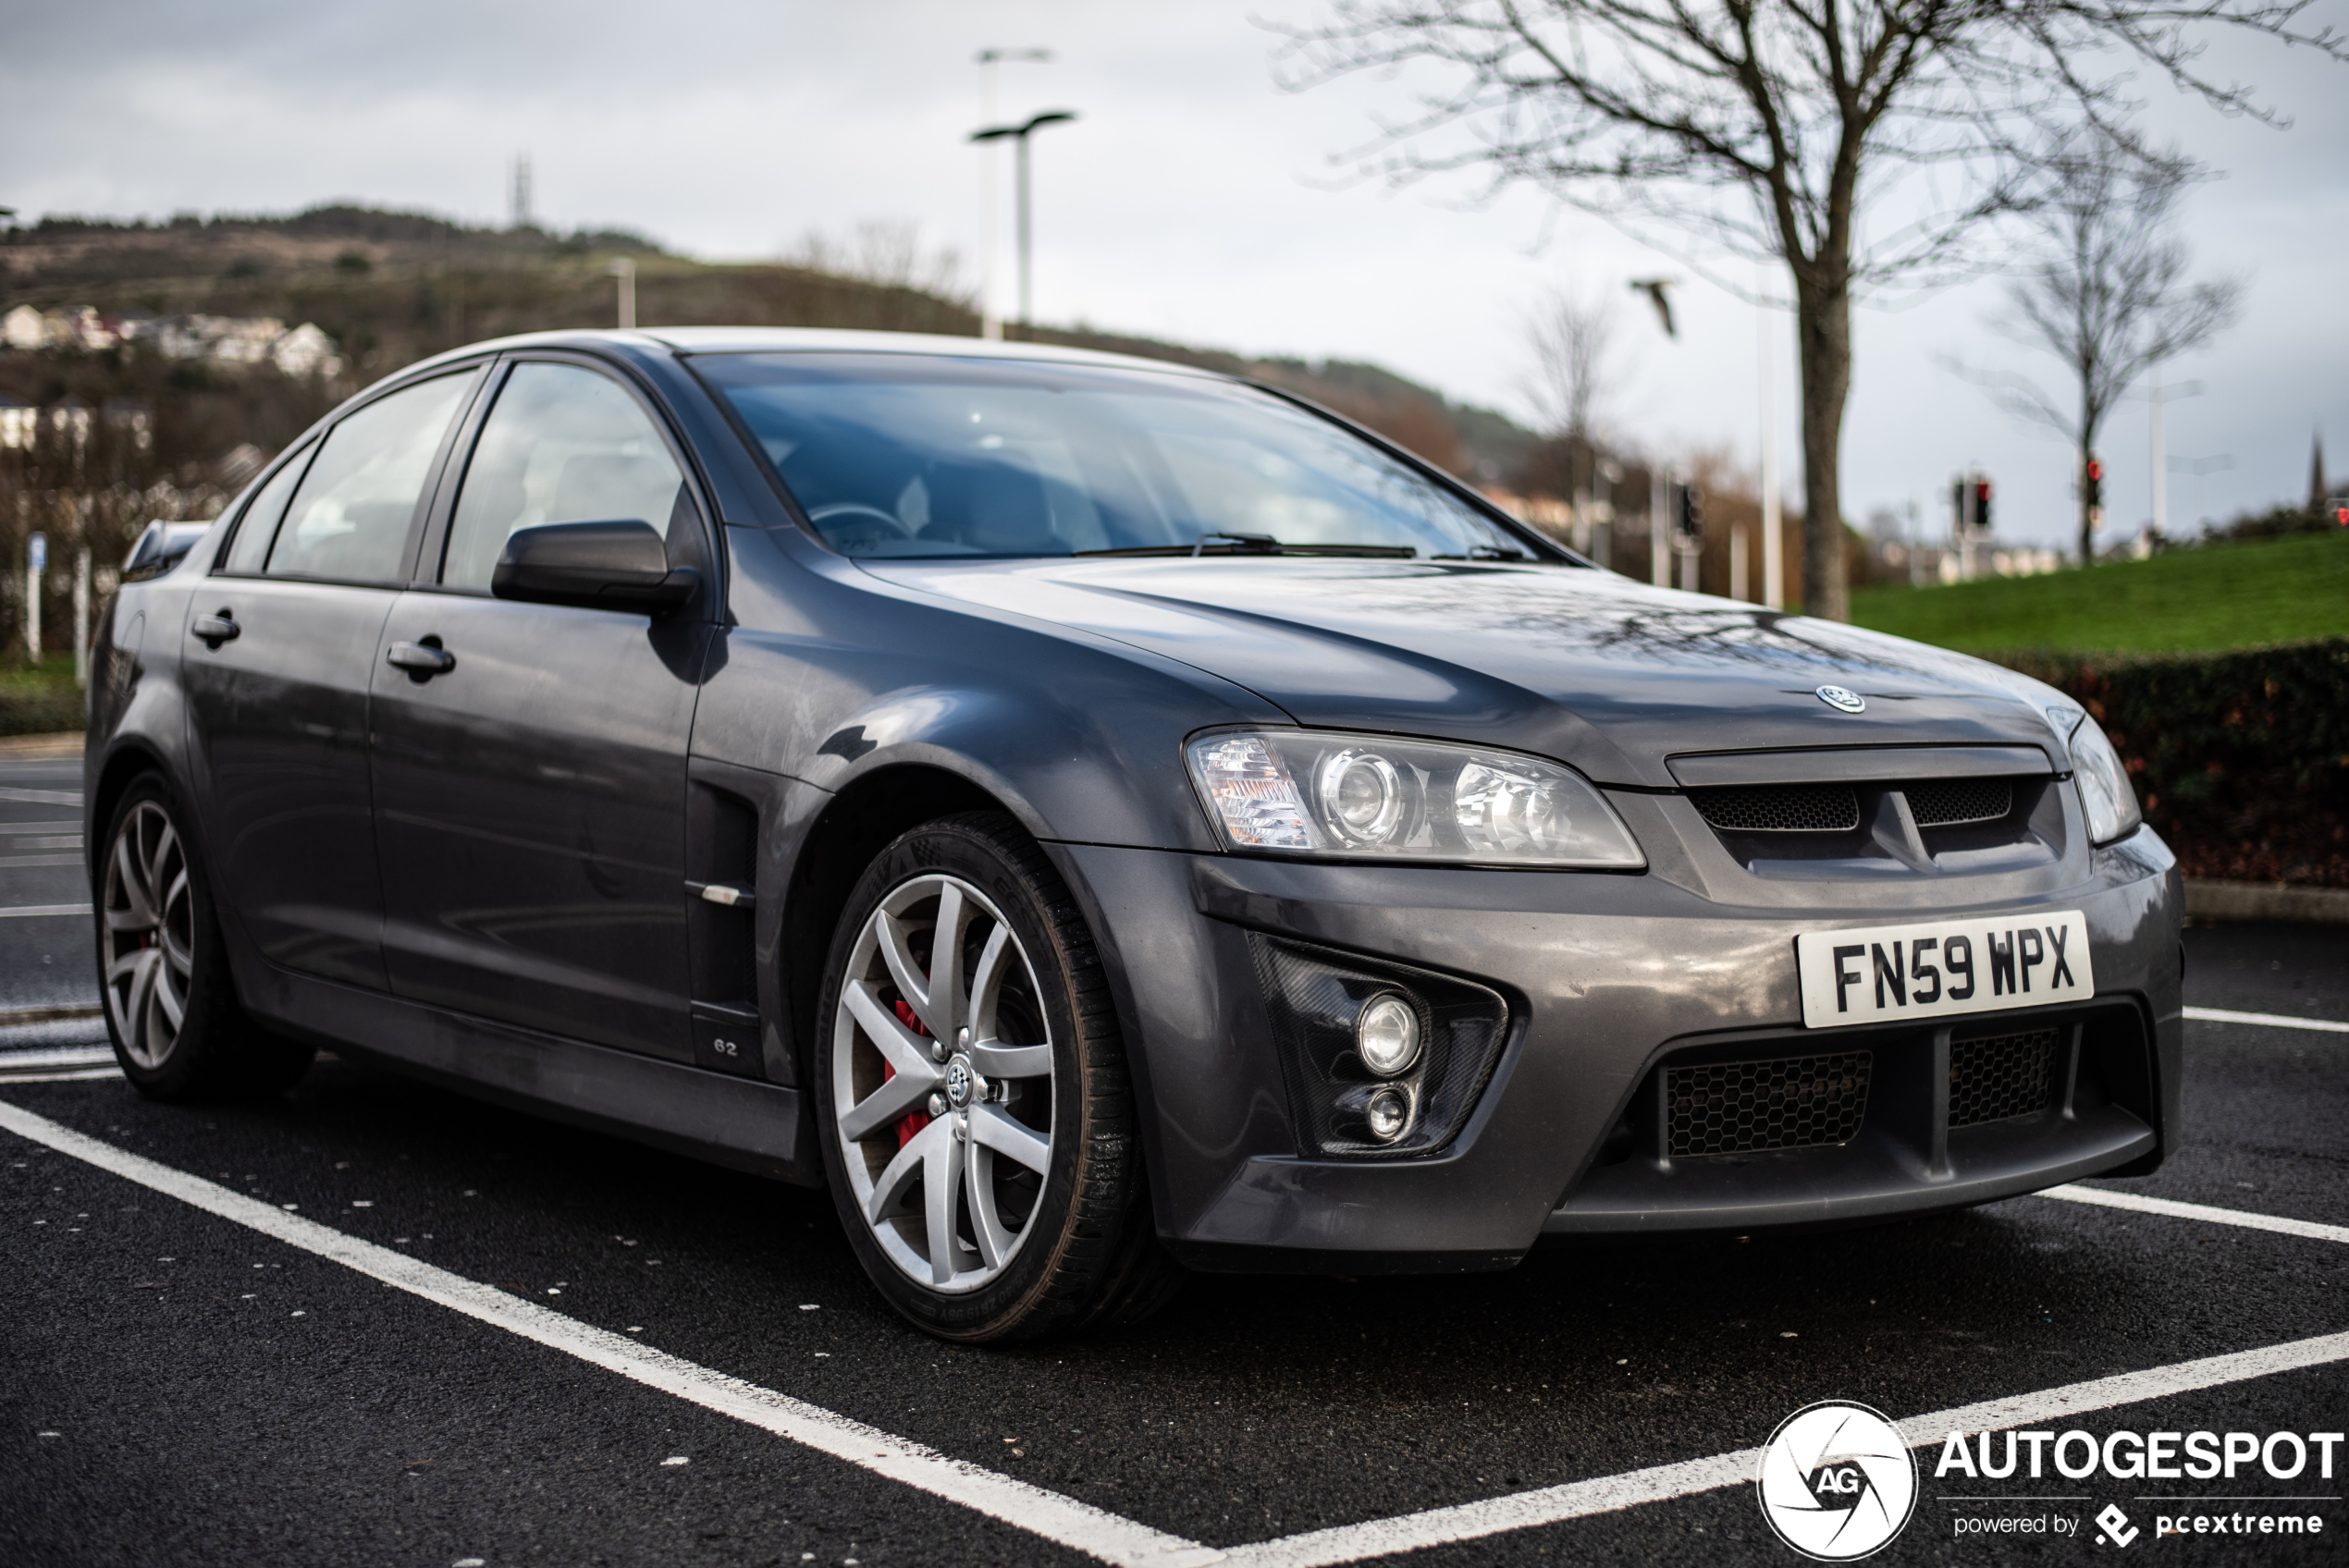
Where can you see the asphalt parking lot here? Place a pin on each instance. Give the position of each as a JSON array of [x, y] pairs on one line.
[[378, 1323]]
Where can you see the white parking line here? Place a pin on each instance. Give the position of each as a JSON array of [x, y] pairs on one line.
[[2174, 1210], [26, 909], [2273, 1020], [42, 797], [1049, 1514], [1411, 1532], [1109, 1536]]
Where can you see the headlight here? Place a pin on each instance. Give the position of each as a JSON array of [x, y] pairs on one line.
[[1362, 797], [2105, 791]]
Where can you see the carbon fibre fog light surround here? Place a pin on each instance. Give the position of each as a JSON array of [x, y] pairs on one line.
[[1319, 1001]]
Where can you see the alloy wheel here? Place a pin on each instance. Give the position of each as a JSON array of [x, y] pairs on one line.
[[149, 936], [942, 1083]]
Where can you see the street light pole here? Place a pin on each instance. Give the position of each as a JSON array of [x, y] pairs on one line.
[[991, 325], [1020, 133]]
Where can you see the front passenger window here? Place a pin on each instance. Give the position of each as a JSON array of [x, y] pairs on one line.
[[348, 521], [563, 444]]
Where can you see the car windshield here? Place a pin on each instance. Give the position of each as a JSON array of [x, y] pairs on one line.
[[907, 455]]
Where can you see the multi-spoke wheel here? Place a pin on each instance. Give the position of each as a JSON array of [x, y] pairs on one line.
[[171, 1008], [148, 933], [977, 1121], [942, 1083]]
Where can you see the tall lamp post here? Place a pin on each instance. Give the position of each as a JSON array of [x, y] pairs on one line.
[[1020, 134], [991, 325]]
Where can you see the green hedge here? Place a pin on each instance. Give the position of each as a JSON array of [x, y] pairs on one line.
[[2241, 759], [40, 700]]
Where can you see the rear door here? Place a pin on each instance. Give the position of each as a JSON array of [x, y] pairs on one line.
[[531, 799], [278, 653]]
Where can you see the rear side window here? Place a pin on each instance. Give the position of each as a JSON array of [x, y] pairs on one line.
[[251, 546], [349, 521], [562, 445]]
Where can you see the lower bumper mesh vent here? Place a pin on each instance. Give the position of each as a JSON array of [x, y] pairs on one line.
[[1997, 1077], [1781, 808], [1753, 1107]]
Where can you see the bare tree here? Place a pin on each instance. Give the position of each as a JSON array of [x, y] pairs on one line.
[[1571, 340], [2108, 293], [888, 251], [1856, 142]]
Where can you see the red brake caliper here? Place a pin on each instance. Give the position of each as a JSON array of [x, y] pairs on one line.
[[912, 1121]]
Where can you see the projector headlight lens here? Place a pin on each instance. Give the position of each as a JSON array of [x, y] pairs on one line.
[[1386, 1037], [1300, 791]]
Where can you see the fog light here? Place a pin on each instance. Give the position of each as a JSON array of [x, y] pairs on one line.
[[1387, 1034], [1390, 1113]]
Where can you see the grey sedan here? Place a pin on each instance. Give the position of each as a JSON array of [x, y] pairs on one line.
[[1099, 820]]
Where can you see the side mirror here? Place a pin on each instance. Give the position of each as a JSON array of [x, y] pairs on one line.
[[621, 565]]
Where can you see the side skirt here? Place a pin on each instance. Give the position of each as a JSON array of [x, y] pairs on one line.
[[737, 1122]]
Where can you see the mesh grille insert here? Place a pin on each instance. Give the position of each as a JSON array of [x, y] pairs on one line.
[[1950, 802], [1750, 1107], [1781, 808], [2001, 1075]]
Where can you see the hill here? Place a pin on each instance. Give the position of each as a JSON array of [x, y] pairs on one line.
[[391, 288], [2221, 595]]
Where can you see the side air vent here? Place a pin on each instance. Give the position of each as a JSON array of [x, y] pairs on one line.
[[1953, 802], [1752, 1107], [1993, 1077], [1781, 808]]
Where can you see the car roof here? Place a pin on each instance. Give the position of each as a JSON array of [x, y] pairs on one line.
[[803, 339]]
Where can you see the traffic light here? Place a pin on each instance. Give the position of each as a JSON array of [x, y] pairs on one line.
[[1689, 502], [1980, 503], [2096, 484]]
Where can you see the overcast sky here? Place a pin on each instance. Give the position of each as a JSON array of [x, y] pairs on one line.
[[1194, 200]]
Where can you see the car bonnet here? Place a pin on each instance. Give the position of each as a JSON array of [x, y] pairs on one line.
[[1609, 675]]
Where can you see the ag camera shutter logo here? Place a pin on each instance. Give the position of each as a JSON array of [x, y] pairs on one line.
[[1837, 1481]]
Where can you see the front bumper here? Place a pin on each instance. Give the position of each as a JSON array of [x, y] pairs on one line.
[[1606, 976]]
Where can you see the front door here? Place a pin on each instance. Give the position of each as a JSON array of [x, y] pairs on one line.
[[279, 651], [530, 800]]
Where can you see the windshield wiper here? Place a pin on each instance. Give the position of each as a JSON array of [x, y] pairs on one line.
[[1218, 542]]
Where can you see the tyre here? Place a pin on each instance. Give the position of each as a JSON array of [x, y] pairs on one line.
[[171, 1007], [979, 1125]]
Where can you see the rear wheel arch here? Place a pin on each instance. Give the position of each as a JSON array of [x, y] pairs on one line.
[[129, 762]]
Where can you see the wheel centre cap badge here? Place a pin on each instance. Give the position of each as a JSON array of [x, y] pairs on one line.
[[1842, 699], [959, 1079]]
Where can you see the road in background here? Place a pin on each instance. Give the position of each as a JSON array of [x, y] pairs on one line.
[[47, 962], [182, 1388]]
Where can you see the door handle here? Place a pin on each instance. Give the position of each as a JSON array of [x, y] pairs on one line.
[[213, 629], [422, 660]]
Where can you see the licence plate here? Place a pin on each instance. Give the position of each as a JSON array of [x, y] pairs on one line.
[[1881, 974]]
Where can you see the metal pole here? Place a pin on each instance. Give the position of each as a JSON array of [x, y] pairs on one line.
[[1659, 528], [990, 323], [36, 557], [1024, 236], [1773, 528], [2160, 463], [82, 618], [624, 269], [1737, 563]]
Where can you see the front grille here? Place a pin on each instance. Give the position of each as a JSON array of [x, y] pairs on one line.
[[1750, 1107], [1781, 808], [1997, 1077], [1952, 802]]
